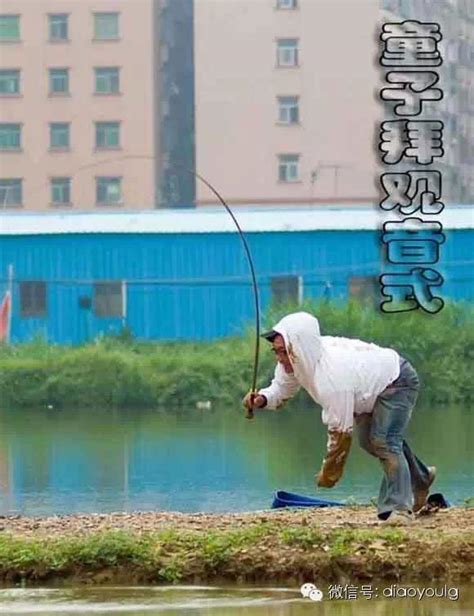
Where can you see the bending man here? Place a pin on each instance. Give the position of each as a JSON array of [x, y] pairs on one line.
[[352, 381]]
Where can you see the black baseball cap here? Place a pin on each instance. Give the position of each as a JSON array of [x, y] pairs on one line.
[[270, 335]]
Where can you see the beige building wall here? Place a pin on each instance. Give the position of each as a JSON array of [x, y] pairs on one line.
[[456, 80], [237, 81], [35, 108]]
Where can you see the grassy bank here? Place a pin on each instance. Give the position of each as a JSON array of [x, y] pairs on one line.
[[121, 372], [291, 546]]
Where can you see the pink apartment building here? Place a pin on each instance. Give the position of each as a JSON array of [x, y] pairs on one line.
[[286, 100], [82, 109], [104, 104]]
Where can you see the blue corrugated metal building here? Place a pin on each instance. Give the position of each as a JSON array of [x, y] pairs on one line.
[[183, 275]]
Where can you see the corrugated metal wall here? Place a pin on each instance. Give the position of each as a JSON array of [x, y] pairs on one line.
[[203, 285]]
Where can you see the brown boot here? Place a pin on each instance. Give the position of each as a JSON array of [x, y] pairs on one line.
[[422, 494]]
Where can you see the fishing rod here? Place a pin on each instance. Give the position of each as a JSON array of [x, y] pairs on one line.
[[249, 412]]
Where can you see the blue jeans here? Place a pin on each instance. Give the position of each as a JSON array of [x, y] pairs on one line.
[[381, 433]]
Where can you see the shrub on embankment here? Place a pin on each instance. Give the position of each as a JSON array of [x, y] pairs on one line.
[[120, 372]]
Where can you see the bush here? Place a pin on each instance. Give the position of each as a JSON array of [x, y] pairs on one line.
[[121, 372]]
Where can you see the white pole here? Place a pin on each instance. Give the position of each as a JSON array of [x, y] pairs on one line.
[[124, 303], [10, 292]]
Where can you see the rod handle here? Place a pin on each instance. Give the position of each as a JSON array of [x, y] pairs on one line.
[[249, 412]]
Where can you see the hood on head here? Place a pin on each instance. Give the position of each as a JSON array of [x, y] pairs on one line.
[[300, 331]]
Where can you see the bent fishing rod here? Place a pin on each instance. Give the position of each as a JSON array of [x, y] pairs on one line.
[[249, 412]]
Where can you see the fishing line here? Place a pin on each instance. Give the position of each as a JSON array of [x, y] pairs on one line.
[[248, 254]]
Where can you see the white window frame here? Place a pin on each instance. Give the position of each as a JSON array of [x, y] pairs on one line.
[[108, 300], [11, 192], [103, 131], [289, 168], [64, 128], [100, 36], [11, 77], [110, 79], [13, 142], [288, 110], [56, 22], [53, 75], [33, 299], [60, 186], [113, 181], [14, 19], [287, 5], [287, 52], [281, 295]]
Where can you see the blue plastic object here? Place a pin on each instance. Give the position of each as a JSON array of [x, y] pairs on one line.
[[287, 499]]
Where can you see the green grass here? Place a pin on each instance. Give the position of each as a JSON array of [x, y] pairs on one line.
[[170, 555], [255, 551], [346, 542], [119, 372], [301, 537]]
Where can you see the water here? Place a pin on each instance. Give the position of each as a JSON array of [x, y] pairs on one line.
[[54, 462], [217, 601]]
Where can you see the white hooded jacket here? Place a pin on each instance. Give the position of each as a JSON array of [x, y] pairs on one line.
[[343, 375]]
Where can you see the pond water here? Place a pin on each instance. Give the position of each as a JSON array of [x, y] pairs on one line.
[[230, 601], [55, 462]]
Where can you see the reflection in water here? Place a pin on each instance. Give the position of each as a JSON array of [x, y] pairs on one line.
[[201, 601], [189, 460]]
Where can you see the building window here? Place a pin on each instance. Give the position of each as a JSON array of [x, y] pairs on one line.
[[365, 289], [287, 4], [288, 167], [287, 290], [108, 301], [59, 81], [59, 135], [9, 81], [58, 27], [107, 80], [106, 26], [107, 135], [33, 299], [61, 191], [11, 191], [108, 190], [288, 110], [287, 52], [10, 136], [9, 27]]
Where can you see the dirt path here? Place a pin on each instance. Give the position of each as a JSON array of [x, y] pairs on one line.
[[447, 521]]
